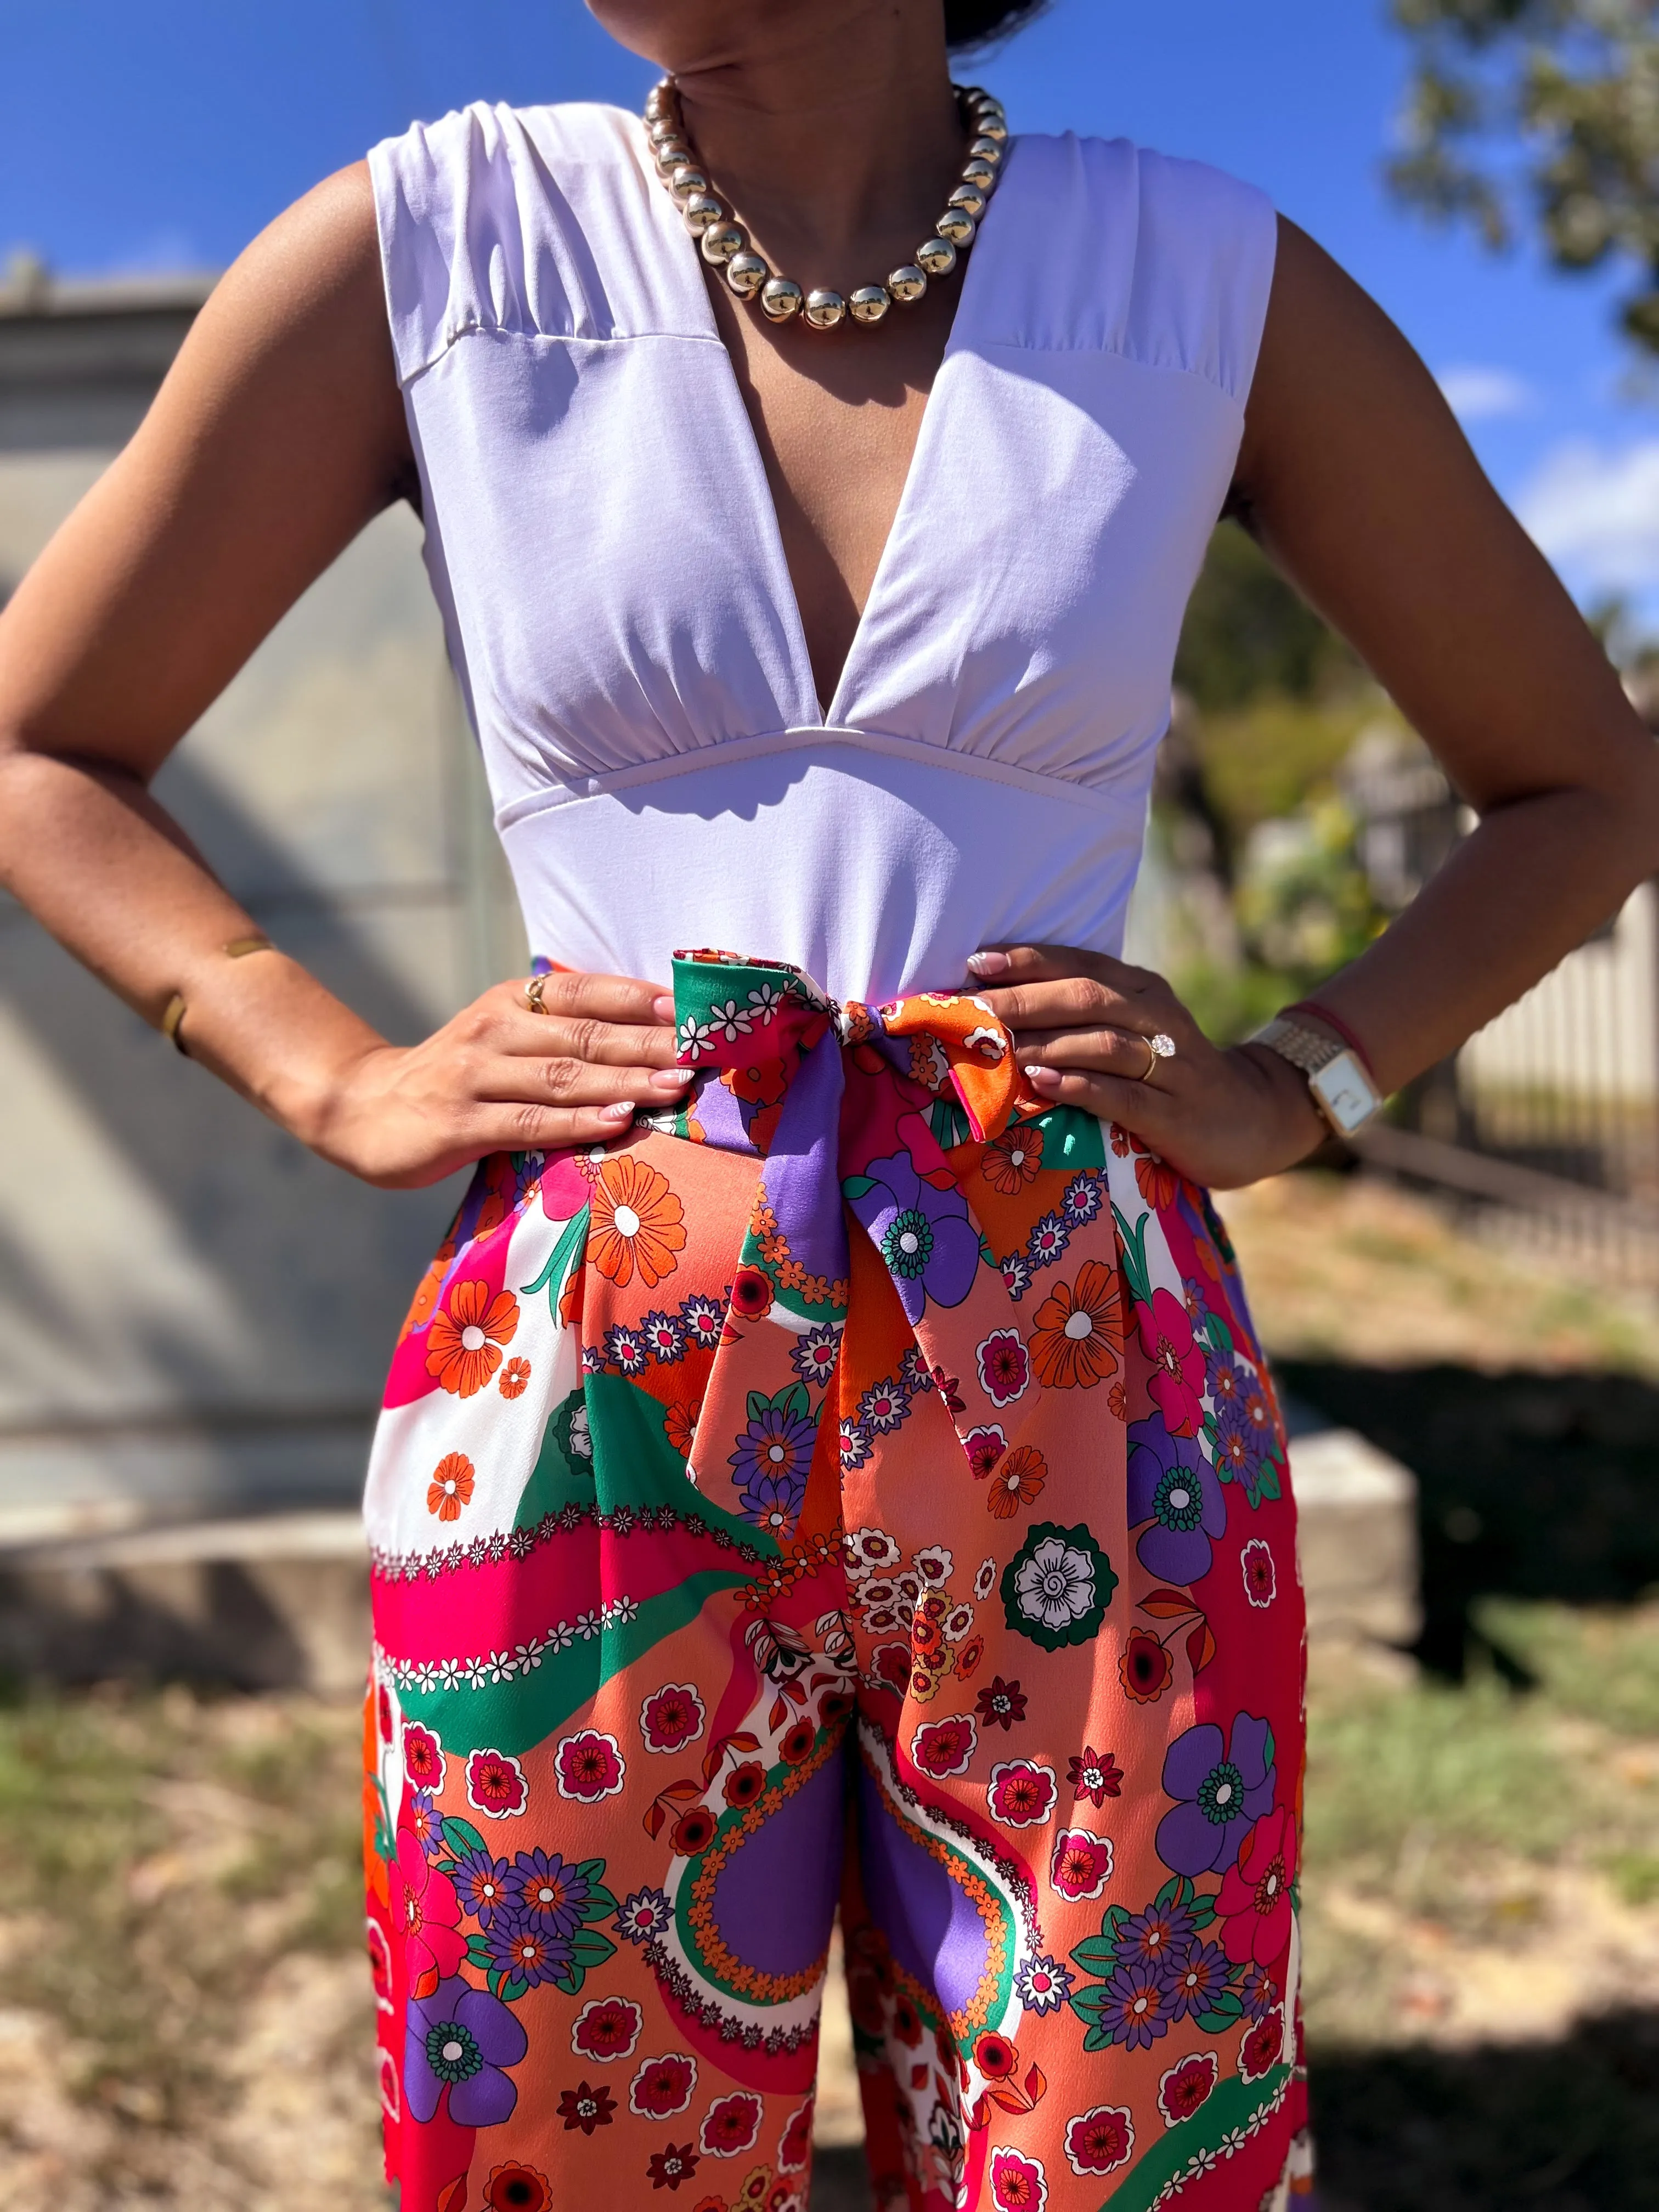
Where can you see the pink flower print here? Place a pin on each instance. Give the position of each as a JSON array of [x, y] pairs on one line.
[[1176, 1382], [671, 1718], [1021, 1793], [423, 1758], [588, 1767], [662, 2086], [606, 2028], [984, 1448], [1254, 1901], [945, 1747], [1261, 1580], [380, 1964], [1262, 2047], [1186, 2087], [1005, 1367], [495, 1784], [795, 2143], [731, 2125], [1081, 1866], [427, 1914], [1018, 2182], [1099, 2141]]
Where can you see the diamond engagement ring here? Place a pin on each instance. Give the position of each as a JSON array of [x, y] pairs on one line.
[[1161, 1046]]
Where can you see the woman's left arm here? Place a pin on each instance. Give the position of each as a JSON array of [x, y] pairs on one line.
[[1356, 480]]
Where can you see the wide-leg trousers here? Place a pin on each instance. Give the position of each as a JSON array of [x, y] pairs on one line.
[[859, 1490]]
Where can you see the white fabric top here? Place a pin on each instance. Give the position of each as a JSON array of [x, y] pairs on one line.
[[603, 545]]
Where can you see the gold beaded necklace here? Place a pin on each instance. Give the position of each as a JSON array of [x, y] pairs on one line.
[[726, 243]]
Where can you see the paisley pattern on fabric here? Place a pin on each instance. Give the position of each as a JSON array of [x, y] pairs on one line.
[[858, 1489]]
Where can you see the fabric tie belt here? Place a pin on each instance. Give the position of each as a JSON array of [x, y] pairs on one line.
[[859, 1111]]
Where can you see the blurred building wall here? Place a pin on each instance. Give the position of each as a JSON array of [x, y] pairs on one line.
[[194, 1310]]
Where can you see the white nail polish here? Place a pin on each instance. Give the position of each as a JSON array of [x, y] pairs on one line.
[[988, 963]]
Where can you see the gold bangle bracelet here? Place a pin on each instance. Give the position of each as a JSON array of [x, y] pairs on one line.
[[173, 1019]]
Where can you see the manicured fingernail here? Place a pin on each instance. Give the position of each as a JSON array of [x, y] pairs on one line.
[[663, 1008], [672, 1079], [1043, 1078], [622, 1111], [989, 963]]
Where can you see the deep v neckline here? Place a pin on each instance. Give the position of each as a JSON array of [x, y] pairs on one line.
[[746, 445]]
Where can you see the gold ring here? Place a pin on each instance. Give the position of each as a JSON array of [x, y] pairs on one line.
[[532, 994], [1161, 1046]]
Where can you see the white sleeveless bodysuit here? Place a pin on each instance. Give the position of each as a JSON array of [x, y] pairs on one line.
[[604, 546]]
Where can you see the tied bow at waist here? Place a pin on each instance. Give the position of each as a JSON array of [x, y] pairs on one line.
[[860, 1116]]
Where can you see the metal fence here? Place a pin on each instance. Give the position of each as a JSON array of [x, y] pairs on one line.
[[1551, 1113]]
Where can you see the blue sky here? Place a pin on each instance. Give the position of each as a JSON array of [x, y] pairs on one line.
[[164, 135]]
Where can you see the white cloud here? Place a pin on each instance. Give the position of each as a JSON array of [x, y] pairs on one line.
[[1595, 513], [1477, 394]]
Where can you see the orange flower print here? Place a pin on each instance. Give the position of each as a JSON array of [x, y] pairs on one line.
[[679, 1422], [1016, 1479], [1012, 1159], [464, 1343], [1079, 1335], [637, 1224], [451, 1486], [1158, 1184], [514, 1375]]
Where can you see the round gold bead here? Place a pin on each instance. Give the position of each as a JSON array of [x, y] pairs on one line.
[[687, 180], [700, 210], [956, 225], [672, 154], [720, 241], [936, 256], [662, 94], [869, 303], [980, 174], [745, 273], [970, 199], [824, 308], [781, 297], [985, 149], [907, 285], [993, 127], [664, 124]]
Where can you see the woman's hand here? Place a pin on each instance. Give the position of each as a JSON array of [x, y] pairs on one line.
[[1081, 1023], [502, 1077]]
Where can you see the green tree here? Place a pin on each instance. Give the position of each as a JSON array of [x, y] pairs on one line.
[[1541, 113]]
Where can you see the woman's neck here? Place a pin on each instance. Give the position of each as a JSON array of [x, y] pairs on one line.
[[834, 139]]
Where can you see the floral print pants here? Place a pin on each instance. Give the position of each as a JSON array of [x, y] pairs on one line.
[[858, 1489]]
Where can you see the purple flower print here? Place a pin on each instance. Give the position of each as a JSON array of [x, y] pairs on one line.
[[480, 1883], [547, 1892], [772, 1501], [775, 1447], [1152, 1937], [924, 1234], [527, 1950], [1222, 1791], [1173, 1485], [460, 2039]]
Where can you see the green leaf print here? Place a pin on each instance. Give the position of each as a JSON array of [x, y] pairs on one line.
[[560, 1261]]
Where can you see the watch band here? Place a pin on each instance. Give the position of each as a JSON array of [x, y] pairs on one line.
[[1338, 1079]]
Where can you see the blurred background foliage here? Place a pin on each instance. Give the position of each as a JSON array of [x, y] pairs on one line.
[[1541, 115], [1258, 891]]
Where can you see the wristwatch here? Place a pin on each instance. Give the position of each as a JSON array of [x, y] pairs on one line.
[[1342, 1090]]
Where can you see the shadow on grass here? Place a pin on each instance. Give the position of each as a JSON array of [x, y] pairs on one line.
[[840, 2183], [1560, 2127], [1530, 1486]]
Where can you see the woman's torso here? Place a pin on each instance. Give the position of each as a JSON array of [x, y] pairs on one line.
[[605, 548]]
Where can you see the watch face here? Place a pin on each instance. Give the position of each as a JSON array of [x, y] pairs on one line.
[[1345, 1091]]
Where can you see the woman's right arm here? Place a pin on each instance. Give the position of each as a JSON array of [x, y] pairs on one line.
[[279, 434]]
